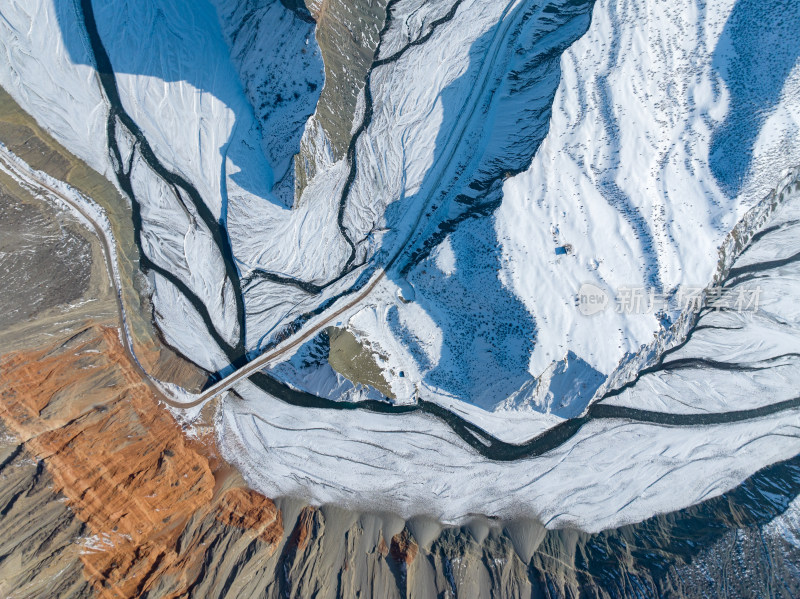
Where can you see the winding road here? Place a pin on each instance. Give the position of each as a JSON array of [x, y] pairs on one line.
[[27, 176], [481, 441], [30, 178]]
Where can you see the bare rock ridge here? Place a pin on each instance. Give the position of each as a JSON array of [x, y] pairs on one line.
[[122, 463], [40, 536], [348, 35], [331, 44], [247, 509]]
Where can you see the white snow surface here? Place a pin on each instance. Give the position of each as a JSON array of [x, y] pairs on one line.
[[625, 175], [46, 69], [611, 473], [749, 344]]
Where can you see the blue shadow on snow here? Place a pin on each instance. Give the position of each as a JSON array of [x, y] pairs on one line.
[[757, 51]]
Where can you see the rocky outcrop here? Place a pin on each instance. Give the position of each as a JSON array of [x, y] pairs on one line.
[[403, 548], [347, 33], [40, 537], [244, 508], [121, 462]]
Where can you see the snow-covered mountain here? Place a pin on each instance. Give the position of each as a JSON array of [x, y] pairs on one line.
[[483, 161]]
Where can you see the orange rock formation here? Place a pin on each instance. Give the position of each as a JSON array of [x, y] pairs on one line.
[[121, 461]]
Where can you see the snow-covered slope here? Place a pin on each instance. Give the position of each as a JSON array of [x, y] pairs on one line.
[[51, 73], [625, 175], [743, 352], [281, 69], [627, 179], [717, 408]]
